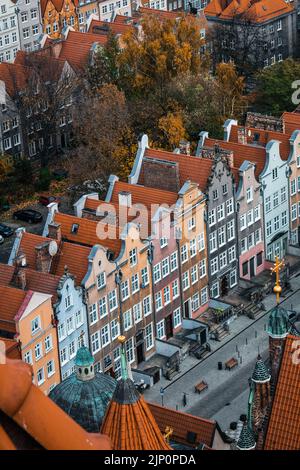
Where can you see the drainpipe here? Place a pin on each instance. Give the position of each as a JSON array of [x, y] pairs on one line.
[[150, 261]]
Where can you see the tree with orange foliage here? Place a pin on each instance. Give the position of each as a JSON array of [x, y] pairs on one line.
[[172, 130]]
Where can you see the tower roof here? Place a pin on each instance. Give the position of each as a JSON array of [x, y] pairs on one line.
[[260, 373], [278, 326], [129, 422], [83, 357], [246, 440]]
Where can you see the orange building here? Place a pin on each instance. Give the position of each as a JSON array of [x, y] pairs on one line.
[[57, 15]]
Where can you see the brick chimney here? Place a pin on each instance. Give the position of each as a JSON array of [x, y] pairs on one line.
[[21, 278], [161, 174], [43, 258], [242, 135], [54, 231], [125, 199]]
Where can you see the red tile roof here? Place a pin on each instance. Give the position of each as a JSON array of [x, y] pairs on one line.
[[11, 300], [190, 168], [87, 232], [264, 137], [258, 10], [104, 27], [69, 254], [38, 416], [182, 424], [14, 76], [283, 432], [12, 350], [144, 195], [291, 122]]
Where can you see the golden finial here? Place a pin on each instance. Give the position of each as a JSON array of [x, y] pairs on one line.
[[168, 433], [121, 339], [278, 265]]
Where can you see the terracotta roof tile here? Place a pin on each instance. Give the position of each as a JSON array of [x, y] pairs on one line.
[[14, 76], [38, 415], [144, 195], [190, 168], [69, 254], [283, 431], [259, 10], [11, 300], [12, 350], [86, 234], [291, 122], [77, 47], [182, 424], [104, 27]]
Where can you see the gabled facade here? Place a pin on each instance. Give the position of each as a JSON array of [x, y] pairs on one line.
[[57, 15], [109, 8], [294, 188], [250, 226]]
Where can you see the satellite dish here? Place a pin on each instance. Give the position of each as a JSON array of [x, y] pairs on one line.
[[52, 248]]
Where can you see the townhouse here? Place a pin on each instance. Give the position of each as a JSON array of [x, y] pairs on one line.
[[9, 32], [28, 316], [109, 8], [272, 174], [57, 15], [29, 24]]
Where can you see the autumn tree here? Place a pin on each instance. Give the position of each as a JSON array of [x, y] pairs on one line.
[[104, 141], [172, 130], [230, 88]]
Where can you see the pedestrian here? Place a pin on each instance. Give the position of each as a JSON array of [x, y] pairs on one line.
[[184, 400]]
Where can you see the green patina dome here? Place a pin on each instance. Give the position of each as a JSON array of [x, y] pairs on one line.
[[278, 322], [260, 373], [246, 440], [83, 357]]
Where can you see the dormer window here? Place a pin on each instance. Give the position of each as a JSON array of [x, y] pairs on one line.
[[101, 280], [74, 228]]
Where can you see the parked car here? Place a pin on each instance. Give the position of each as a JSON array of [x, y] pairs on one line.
[[28, 215], [5, 230], [1, 240], [45, 200]]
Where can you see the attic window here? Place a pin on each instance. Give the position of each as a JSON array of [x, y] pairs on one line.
[[74, 228], [256, 137]]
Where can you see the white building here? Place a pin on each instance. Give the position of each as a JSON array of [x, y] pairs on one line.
[[109, 8], [30, 24], [9, 33]]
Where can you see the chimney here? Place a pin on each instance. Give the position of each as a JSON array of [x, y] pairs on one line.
[[54, 231], [184, 147], [125, 199], [21, 278], [230, 159], [43, 258], [20, 260], [242, 135]]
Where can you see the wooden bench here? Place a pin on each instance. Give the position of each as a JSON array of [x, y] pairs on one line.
[[201, 386], [231, 363]]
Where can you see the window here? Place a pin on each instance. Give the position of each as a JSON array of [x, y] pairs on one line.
[[204, 296], [145, 276], [193, 248], [229, 206], [233, 278], [195, 302], [268, 204], [115, 329], [201, 242], [79, 318], [161, 329], [215, 290], [105, 335], [249, 195], [129, 346], [269, 228], [257, 213], [257, 236], [230, 230], [175, 289], [214, 265], [28, 357], [213, 241], [93, 314], [284, 218], [40, 376], [212, 217], [137, 312], [149, 336], [224, 189], [35, 29], [135, 283], [95, 342], [133, 257], [48, 343], [127, 320], [191, 223], [243, 245], [243, 222], [277, 223], [259, 259], [158, 301], [167, 295], [245, 268], [163, 242], [293, 187], [26, 33], [177, 317], [294, 212], [221, 212], [24, 16], [184, 253], [185, 280], [223, 260], [16, 139], [125, 291], [38, 351], [250, 219], [174, 261], [147, 306], [215, 194], [112, 300], [72, 350], [156, 273], [33, 14], [101, 280], [222, 236], [276, 199], [7, 143], [35, 325], [194, 274], [61, 331], [202, 268], [165, 267], [275, 173], [70, 325], [231, 254], [250, 240], [103, 307]]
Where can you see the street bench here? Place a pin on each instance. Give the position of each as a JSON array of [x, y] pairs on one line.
[[231, 363], [201, 386]]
